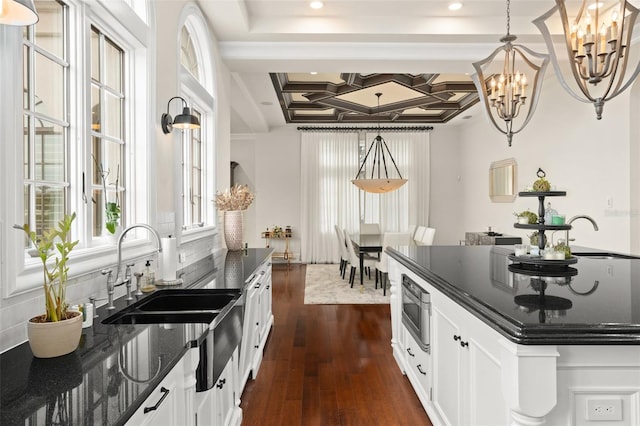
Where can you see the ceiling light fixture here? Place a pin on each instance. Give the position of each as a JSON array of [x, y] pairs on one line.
[[378, 184], [186, 120], [597, 49], [316, 5], [18, 12], [508, 95], [455, 6]]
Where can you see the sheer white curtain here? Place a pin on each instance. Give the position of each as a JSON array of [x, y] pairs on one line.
[[396, 211], [328, 162]]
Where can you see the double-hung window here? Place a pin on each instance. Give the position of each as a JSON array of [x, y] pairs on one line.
[[46, 121], [85, 70], [107, 130]]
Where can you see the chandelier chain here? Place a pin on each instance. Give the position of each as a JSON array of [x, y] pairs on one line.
[[508, 17]]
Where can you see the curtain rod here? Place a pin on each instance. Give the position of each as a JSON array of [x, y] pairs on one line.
[[358, 129]]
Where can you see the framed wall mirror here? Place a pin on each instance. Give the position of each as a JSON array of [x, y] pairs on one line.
[[503, 180]]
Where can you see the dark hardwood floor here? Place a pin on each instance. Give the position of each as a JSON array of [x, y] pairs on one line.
[[328, 365]]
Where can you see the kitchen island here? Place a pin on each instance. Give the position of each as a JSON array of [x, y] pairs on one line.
[[507, 346], [117, 369]]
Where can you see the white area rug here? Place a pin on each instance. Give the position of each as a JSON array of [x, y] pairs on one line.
[[324, 286]]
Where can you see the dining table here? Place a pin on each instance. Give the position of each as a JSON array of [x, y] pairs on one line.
[[366, 244]]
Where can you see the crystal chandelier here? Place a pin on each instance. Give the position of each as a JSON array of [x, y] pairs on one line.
[[597, 47], [377, 183], [506, 98]]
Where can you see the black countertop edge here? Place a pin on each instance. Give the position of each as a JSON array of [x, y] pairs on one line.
[[516, 332]]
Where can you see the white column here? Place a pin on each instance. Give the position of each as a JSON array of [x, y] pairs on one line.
[[396, 317], [529, 382]]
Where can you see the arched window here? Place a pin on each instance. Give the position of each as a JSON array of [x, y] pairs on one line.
[[198, 145]]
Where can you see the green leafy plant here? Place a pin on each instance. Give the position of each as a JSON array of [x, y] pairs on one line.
[[112, 210], [532, 218], [55, 273]]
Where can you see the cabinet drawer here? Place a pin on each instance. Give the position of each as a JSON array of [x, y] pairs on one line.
[[418, 361]]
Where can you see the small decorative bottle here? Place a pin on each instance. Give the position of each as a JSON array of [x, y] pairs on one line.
[[548, 214]]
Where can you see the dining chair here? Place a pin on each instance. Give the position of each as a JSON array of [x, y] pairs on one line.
[[370, 228], [344, 253], [427, 238], [354, 260], [417, 237], [382, 266]]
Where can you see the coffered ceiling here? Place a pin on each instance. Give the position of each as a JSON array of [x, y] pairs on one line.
[[351, 97], [419, 47]]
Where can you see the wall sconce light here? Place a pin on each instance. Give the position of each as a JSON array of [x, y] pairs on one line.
[[186, 120], [18, 12]]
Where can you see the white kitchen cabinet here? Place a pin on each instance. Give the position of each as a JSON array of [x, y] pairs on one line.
[[219, 405], [258, 319], [265, 302], [418, 367], [467, 387], [167, 403], [459, 381]]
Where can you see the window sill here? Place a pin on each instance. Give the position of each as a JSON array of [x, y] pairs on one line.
[[193, 234], [82, 262]]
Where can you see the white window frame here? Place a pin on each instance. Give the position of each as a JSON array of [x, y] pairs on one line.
[[19, 273], [202, 94]]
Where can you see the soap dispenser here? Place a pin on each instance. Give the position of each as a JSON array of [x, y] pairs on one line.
[[148, 278]]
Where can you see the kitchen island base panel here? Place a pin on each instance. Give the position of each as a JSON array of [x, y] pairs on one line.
[[489, 378]]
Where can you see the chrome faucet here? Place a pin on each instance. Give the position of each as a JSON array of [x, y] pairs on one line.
[[573, 219], [112, 281]]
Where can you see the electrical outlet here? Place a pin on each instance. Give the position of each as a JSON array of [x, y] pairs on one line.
[[604, 409], [182, 256], [609, 202]]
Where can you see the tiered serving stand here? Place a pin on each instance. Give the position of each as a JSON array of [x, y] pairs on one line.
[[538, 267]]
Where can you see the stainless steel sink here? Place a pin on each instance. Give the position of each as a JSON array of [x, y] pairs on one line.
[[604, 255]]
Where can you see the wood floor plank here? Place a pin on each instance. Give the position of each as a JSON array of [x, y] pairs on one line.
[[328, 365]]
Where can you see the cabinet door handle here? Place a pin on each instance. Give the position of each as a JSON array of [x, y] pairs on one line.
[[456, 337], [464, 344], [420, 369], [221, 383], [409, 352], [165, 391]]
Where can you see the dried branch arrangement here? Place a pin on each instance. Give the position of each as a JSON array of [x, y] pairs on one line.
[[237, 198]]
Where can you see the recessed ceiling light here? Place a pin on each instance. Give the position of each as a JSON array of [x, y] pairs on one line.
[[266, 103], [316, 5], [455, 6], [466, 117], [313, 72]]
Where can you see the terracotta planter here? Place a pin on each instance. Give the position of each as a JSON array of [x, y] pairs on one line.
[[52, 339], [233, 229]]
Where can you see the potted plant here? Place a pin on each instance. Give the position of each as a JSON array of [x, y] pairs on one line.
[[526, 217], [232, 202], [56, 332]]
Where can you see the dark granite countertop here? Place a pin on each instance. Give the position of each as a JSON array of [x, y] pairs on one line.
[[598, 305], [116, 367]]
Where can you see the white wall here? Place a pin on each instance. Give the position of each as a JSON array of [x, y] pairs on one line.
[[270, 165], [586, 157], [445, 211]]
